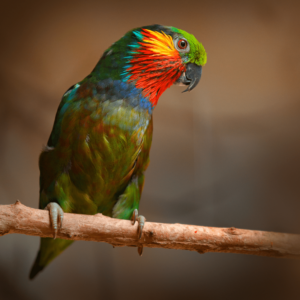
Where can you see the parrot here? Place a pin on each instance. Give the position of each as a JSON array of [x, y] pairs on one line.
[[98, 151]]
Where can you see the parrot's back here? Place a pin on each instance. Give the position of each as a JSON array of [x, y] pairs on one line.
[[100, 140]]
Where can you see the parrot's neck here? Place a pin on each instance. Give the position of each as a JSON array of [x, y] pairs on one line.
[[148, 75], [153, 76]]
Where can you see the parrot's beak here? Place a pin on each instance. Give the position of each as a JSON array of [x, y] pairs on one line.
[[191, 76]]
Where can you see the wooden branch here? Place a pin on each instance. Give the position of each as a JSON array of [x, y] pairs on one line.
[[17, 218]]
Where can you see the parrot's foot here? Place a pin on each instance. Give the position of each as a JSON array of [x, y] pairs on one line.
[[141, 220], [140, 250], [56, 216]]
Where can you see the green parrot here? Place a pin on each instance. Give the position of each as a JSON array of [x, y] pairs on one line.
[[98, 150]]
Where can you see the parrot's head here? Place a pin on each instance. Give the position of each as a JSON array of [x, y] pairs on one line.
[[155, 57]]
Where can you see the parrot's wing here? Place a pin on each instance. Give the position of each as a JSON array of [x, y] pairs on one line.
[[94, 161], [129, 200], [96, 146], [67, 101]]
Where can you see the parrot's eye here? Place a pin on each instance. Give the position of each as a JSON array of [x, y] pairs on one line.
[[182, 45]]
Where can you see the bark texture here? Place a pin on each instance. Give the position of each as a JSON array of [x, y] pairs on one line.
[[17, 218]]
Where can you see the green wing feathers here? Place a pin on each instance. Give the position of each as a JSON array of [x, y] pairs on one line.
[[94, 165]]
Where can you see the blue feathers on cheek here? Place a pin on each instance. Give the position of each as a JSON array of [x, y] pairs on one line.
[[113, 90], [138, 34]]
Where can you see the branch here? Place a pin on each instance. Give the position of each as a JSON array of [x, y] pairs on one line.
[[17, 218]]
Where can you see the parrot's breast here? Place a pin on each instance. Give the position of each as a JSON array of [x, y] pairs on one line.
[[97, 138]]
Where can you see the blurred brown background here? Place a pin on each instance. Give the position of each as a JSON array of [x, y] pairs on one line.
[[226, 154]]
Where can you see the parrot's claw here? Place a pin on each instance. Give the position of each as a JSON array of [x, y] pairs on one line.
[[141, 220], [56, 216], [140, 250]]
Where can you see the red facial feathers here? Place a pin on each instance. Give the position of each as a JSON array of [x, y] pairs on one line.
[[156, 65]]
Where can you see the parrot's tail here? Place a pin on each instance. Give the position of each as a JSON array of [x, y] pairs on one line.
[[36, 268], [49, 249]]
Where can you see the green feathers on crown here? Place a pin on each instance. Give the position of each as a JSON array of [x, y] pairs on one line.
[[197, 53]]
